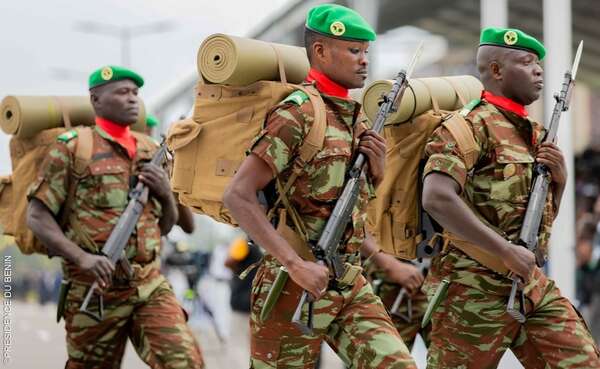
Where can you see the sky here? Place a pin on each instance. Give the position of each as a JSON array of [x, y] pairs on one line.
[[42, 52]]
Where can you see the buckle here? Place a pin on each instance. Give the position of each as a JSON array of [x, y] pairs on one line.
[[351, 273]]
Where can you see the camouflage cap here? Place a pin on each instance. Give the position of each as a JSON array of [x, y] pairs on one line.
[[339, 22], [512, 38], [111, 73]]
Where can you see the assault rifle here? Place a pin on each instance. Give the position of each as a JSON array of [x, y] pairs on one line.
[[114, 248], [326, 249], [539, 190]]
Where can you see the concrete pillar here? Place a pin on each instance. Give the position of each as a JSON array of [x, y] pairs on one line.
[[557, 39], [494, 13]]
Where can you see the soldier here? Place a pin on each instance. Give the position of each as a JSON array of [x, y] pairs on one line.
[[143, 307], [346, 313], [482, 211], [389, 276]]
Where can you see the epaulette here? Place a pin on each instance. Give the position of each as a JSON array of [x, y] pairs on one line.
[[297, 97], [67, 136], [470, 106]]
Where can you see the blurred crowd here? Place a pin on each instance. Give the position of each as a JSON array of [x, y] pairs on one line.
[[587, 187]]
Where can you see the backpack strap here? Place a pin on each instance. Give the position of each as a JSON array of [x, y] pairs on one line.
[[311, 145], [82, 157], [461, 130]]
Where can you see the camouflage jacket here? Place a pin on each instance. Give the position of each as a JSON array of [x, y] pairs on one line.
[[100, 197], [497, 188], [317, 189]]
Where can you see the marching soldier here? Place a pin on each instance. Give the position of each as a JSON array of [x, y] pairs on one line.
[[142, 308], [482, 211], [347, 314]]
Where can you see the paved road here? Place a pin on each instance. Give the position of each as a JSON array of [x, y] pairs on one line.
[[38, 342]]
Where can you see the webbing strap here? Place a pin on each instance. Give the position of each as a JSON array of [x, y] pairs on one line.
[[311, 145], [280, 65], [462, 133]]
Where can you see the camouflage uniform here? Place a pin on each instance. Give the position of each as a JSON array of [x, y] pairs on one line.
[[471, 328], [143, 308], [388, 292], [350, 318]]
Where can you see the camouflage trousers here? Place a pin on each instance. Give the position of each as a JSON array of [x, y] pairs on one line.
[[149, 315], [471, 329], [408, 330], [352, 320]]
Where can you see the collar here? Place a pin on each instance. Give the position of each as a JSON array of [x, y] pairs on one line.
[[118, 133], [505, 103], [326, 85]]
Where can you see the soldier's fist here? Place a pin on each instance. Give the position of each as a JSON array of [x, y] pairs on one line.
[[98, 266]]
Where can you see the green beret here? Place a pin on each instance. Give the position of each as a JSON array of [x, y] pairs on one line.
[[339, 22], [111, 73], [512, 38], [151, 121]]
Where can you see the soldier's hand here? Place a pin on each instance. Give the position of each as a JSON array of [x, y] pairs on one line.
[[98, 266], [312, 277], [373, 146], [520, 261], [407, 276], [551, 156], [156, 179]]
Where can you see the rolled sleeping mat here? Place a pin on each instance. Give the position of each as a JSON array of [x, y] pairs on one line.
[[238, 61], [25, 116], [417, 99]]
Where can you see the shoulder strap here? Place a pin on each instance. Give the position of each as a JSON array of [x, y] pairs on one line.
[[83, 150], [459, 128], [311, 145], [82, 156]]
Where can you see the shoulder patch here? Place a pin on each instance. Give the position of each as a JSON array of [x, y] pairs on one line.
[[297, 97], [67, 136], [470, 106]]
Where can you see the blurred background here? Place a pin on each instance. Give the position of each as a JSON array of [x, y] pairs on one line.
[[50, 47]]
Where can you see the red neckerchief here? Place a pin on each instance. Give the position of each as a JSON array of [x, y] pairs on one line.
[[505, 103], [121, 134], [326, 85]]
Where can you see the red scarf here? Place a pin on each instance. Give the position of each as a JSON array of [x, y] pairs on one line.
[[326, 85], [120, 133], [505, 103]]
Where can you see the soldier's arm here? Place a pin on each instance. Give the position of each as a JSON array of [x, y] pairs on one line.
[[445, 175], [270, 156], [46, 199], [157, 180], [396, 271], [186, 218]]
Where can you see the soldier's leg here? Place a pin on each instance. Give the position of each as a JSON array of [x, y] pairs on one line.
[[557, 331], [408, 330], [92, 344], [527, 353], [363, 334], [161, 335], [276, 342], [470, 329]]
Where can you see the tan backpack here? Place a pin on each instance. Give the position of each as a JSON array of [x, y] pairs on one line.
[[27, 155], [209, 148], [396, 216]]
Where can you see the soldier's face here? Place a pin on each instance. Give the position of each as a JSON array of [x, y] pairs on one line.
[[345, 62], [117, 101], [522, 76]]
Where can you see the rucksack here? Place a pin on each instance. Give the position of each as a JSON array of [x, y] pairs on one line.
[[396, 217], [209, 147]]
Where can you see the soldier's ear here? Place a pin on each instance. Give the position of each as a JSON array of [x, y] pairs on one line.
[[318, 50], [496, 70]]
